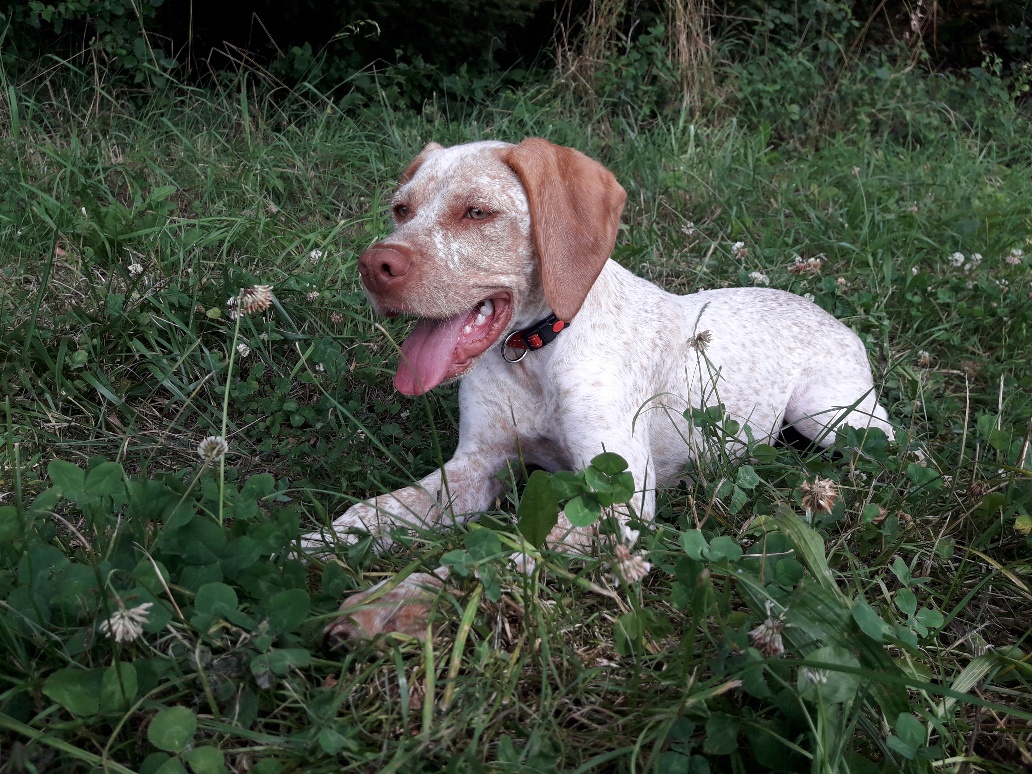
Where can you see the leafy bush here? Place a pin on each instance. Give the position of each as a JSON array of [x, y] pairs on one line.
[[960, 34], [116, 30], [322, 43]]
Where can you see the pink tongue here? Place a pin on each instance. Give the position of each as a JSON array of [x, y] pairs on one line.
[[426, 355]]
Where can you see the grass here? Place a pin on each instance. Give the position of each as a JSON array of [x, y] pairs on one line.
[[907, 603]]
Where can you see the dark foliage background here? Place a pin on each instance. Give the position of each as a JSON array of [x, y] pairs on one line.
[[323, 41], [482, 33]]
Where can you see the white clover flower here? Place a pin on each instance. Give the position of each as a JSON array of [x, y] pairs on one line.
[[256, 298], [312, 295], [913, 271], [924, 358], [700, 341], [976, 258], [628, 535], [126, 625], [819, 494], [316, 255], [243, 350], [1015, 256], [135, 269], [213, 448], [957, 260], [688, 229], [628, 566], [856, 170], [739, 249], [815, 676], [320, 367], [809, 297], [807, 266], [759, 278], [766, 637]]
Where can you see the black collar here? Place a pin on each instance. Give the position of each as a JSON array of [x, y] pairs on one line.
[[533, 337]]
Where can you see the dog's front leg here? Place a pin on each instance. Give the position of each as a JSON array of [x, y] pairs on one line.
[[465, 485], [642, 504]]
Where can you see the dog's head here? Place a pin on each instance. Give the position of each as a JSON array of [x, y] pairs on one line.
[[488, 237]]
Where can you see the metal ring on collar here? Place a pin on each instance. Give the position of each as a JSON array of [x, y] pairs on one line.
[[523, 354]]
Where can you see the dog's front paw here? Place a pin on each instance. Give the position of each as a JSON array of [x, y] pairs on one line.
[[403, 609], [356, 522], [579, 541]]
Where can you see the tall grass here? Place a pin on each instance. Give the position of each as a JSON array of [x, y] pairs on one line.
[[126, 222]]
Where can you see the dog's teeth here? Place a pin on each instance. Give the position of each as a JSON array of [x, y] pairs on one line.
[[468, 329], [487, 307], [480, 320]]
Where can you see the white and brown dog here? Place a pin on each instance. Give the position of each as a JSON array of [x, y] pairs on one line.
[[501, 253]]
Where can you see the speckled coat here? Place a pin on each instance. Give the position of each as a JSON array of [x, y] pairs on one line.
[[530, 228]]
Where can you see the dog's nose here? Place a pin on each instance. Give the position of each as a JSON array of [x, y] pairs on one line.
[[383, 265]]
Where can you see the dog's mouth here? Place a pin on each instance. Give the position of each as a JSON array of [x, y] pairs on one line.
[[438, 350]]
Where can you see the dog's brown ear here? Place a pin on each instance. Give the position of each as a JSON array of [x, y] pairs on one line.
[[417, 162], [575, 206]]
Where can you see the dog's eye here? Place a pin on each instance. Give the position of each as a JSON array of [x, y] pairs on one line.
[[401, 211], [477, 213]]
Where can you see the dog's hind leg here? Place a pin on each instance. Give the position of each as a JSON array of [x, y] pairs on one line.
[[831, 398]]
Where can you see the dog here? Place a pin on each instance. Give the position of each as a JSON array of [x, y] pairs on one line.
[[501, 253]]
